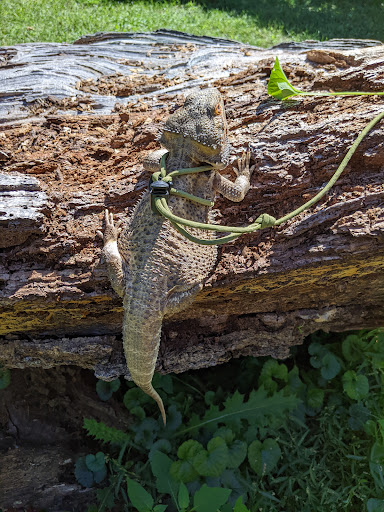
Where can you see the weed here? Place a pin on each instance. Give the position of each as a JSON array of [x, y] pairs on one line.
[[303, 435]]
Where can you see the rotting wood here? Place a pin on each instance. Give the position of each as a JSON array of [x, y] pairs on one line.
[[81, 146]]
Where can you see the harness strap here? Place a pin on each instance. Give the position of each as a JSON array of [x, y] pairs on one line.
[[161, 187]]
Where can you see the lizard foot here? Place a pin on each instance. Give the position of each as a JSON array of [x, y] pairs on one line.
[[243, 166], [111, 230]]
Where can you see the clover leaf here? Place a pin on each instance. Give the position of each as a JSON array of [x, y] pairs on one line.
[[355, 385], [95, 462], [324, 359], [183, 470], [272, 370], [106, 389], [90, 469], [213, 461], [263, 457]]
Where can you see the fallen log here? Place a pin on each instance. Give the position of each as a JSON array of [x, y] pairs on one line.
[[77, 119]]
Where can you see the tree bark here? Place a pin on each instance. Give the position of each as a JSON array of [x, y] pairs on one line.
[[76, 122]]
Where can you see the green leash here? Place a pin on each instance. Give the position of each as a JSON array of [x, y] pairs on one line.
[[161, 187]]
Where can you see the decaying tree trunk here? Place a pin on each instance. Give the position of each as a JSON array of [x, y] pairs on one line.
[[76, 122]]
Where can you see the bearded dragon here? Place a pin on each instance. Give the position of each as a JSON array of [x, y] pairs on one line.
[[154, 268]]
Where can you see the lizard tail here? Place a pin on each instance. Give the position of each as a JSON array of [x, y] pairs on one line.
[[151, 391], [141, 339]]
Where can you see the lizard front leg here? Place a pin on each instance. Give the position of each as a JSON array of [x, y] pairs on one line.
[[152, 161], [111, 253], [235, 191]]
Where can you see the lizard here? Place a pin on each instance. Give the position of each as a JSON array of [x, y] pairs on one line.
[[152, 267]]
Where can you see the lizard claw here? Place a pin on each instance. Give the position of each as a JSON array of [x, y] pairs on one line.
[[112, 230], [243, 162]]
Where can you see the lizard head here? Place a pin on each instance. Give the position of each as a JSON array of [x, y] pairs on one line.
[[199, 129]]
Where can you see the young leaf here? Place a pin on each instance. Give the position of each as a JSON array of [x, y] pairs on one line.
[[83, 475], [106, 389], [213, 461], [272, 370], [95, 462], [263, 457], [330, 366], [356, 386], [317, 351], [183, 496], [239, 507], [278, 85], [139, 497], [183, 469], [134, 397], [209, 499], [352, 348], [324, 359], [280, 88]]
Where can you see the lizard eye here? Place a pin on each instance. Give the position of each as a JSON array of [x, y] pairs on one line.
[[218, 110]]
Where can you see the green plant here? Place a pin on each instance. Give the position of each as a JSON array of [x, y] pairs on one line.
[[106, 389], [280, 88], [303, 435], [91, 469], [5, 377]]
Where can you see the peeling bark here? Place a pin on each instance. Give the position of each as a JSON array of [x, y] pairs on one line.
[[71, 143]]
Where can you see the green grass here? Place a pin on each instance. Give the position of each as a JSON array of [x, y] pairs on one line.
[[258, 22]]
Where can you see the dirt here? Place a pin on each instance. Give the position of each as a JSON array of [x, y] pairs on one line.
[[49, 405]]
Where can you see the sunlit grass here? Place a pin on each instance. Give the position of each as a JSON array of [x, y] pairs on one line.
[[258, 22]]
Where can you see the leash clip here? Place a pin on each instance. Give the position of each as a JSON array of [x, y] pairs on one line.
[[160, 189]]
